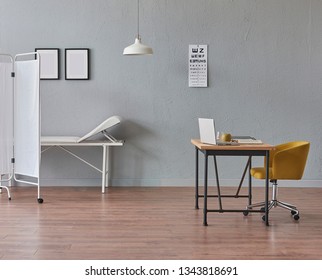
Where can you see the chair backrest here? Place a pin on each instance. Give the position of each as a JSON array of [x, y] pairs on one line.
[[288, 160]]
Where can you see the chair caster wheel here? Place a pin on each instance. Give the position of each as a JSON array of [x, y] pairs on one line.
[[40, 200], [293, 212], [263, 218], [262, 209], [9, 198], [296, 217], [245, 213]]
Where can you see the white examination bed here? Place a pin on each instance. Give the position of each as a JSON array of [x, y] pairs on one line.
[[64, 141]]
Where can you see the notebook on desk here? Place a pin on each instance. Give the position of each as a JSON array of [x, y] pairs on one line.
[[207, 133], [246, 140], [249, 141]]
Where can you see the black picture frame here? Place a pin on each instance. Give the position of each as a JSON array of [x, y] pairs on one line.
[[77, 64], [49, 63]]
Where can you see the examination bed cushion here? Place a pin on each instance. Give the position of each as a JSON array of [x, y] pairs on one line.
[[107, 124]]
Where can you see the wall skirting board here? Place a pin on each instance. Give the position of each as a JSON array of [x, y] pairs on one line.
[[87, 182]]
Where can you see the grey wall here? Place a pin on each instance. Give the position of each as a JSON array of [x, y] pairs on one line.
[[265, 79]]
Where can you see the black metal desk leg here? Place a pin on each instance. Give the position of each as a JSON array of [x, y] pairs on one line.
[[250, 181], [218, 185], [243, 177], [267, 188], [197, 180], [205, 191]]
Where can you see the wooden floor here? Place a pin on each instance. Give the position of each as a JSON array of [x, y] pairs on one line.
[[153, 223]]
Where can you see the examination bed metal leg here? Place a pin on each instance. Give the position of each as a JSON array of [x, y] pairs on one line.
[[105, 170]]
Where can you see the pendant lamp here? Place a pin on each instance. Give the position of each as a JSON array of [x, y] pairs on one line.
[[137, 48]]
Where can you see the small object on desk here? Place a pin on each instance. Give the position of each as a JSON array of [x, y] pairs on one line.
[[249, 141], [246, 140], [243, 137], [225, 137]]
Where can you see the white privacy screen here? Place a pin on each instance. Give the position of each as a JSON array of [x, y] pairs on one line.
[[26, 118], [6, 118]]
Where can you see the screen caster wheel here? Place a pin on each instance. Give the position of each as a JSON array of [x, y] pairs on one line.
[[296, 217], [40, 200], [245, 213]]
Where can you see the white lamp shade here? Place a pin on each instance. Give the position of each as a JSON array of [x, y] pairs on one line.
[[137, 49]]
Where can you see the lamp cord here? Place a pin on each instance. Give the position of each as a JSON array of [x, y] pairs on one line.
[[138, 19]]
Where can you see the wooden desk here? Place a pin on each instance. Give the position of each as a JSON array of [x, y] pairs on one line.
[[240, 150]]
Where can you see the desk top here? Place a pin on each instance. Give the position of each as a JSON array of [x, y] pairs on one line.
[[241, 147]]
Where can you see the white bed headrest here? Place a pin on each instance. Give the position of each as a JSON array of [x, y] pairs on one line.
[[110, 122]]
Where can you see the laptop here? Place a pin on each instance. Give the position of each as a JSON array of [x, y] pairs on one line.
[[207, 131]]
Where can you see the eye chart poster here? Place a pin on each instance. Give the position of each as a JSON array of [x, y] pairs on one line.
[[198, 66]]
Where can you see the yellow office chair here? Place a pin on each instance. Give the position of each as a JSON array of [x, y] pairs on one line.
[[286, 162]]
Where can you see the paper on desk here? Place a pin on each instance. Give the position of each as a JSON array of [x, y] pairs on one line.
[[249, 141]]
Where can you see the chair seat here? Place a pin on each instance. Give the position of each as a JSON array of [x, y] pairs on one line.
[[260, 172]]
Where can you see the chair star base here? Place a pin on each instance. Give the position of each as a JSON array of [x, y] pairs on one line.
[[276, 203]]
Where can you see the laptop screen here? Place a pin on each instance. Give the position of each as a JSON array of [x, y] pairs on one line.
[[207, 131]]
